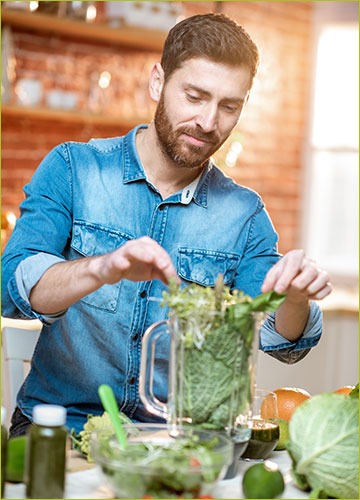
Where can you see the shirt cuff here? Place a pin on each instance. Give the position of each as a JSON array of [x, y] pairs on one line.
[[271, 340], [27, 274]]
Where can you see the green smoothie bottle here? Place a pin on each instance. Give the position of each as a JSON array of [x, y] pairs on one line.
[[46, 454], [4, 437]]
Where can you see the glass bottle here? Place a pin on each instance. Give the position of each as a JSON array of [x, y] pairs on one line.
[[3, 449], [46, 454]]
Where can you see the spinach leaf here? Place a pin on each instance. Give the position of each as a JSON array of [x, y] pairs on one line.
[[268, 301]]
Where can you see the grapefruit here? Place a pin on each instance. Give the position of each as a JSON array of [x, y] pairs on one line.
[[288, 399], [346, 389]]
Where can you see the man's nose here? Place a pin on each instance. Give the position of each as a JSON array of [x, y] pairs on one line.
[[207, 118]]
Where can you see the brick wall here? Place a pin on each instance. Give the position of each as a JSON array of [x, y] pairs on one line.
[[271, 129]]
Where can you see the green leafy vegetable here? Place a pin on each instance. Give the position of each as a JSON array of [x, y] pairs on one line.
[[324, 445], [181, 467], [355, 392], [216, 343], [81, 441]]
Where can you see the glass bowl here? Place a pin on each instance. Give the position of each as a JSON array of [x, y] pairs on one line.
[[156, 463]]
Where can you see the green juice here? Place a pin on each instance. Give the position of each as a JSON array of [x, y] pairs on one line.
[[264, 438], [46, 462], [46, 453]]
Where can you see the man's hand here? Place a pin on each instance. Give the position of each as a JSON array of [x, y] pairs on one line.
[[137, 260], [298, 277], [65, 283], [301, 280]]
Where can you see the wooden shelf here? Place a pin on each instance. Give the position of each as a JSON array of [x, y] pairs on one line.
[[37, 113], [126, 36]]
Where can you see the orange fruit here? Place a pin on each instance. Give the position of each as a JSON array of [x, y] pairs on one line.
[[288, 399], [346, 389]]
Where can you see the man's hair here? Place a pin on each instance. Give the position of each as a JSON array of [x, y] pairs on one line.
[[211, 36]]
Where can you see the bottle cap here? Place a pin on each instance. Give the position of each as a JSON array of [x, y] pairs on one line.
[[3, 415], [51, 415]]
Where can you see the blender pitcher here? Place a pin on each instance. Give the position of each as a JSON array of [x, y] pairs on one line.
[[212, 370]]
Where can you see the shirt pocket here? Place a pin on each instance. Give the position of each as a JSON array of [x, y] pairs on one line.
[[204, 266], [89, 239]]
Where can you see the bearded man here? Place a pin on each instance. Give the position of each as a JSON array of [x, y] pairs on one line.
[[106, 224]]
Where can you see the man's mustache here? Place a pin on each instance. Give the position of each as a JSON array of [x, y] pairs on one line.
[[211, 137]]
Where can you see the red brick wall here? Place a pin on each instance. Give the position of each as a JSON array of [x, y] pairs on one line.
[[273, 125], [26, 142], [271, 128]]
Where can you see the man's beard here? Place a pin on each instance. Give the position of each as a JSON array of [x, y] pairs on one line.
[[183, 154]]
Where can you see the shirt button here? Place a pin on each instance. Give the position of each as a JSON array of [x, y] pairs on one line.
[[135, 337], [143, 294], [132, 380]]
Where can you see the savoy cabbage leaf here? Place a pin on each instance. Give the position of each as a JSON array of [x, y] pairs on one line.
[[324, 444]]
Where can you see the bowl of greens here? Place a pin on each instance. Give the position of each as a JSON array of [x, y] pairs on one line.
[[157, 463]]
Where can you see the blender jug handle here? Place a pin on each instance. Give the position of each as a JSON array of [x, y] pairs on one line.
[[146, 378]]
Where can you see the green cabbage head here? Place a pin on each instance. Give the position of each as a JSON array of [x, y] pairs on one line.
[[324, 445]]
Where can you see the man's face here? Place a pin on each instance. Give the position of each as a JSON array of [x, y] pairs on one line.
[[198, 107]]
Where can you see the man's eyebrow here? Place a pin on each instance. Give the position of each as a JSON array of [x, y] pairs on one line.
[[203, 92], [199, 90]]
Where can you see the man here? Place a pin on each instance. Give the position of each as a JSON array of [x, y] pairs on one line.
[[106, 224]]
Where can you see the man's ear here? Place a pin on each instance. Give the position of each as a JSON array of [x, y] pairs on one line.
[[156, 82]]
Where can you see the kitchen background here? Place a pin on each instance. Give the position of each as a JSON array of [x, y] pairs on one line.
[[75, 70]]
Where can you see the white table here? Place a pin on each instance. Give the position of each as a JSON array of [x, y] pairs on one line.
[[232, 488], [87, 483]]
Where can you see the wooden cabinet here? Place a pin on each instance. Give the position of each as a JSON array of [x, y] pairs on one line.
[[75, 117], [126, 36]]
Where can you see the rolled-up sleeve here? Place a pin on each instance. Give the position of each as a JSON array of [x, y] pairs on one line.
[[27, 274], [279, 347]]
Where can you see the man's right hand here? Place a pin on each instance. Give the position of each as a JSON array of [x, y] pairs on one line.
[[137, 260], [65, 283]]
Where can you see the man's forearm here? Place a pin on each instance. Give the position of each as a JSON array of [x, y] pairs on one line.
[[63, 284], [291, 319]]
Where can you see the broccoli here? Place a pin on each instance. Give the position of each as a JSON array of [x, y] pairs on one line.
[[81, 441]]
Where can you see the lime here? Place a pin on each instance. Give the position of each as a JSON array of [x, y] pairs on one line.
[[263, 480], [284, 434], [15, 463]]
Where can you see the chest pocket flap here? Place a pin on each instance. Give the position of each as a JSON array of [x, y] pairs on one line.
[[93, 239], [204, 266]]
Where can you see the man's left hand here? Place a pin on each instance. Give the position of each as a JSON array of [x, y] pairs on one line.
[[297, 276]]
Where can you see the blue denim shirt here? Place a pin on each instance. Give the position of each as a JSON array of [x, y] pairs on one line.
[[90, 198]]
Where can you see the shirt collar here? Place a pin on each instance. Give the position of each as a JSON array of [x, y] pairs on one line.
[[188, 191], [134, 171], [200, 195]]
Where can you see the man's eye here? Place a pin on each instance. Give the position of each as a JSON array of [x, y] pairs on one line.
[[230, 109], [192, 98]]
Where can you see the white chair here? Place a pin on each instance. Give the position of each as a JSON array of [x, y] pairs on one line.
[[18, 345]]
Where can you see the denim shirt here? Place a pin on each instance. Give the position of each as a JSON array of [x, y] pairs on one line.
[[90, 198]]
